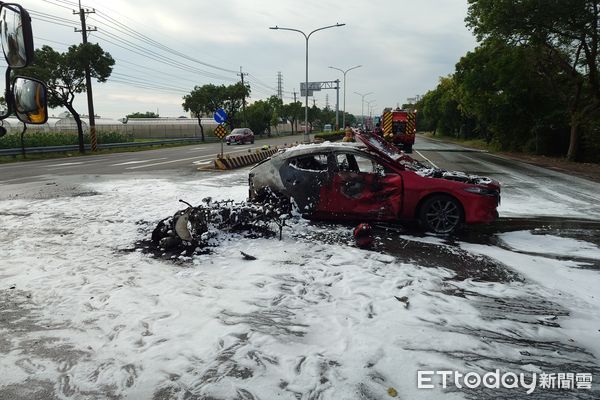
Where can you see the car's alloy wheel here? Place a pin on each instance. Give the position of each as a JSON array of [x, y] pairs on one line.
[[441, 214]]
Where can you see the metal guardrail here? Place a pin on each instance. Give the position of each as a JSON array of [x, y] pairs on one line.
[[64, 149]]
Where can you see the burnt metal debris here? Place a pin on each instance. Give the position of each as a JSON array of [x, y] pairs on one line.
[[195, 229]]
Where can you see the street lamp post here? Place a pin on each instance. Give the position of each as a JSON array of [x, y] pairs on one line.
[[370, 108], [344, 72], [306, 137], [362, 109]]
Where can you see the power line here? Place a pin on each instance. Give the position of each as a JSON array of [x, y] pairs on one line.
[[111, 24], [40, 18], [159, 45], [156, 57], [51, 41], [137, 79], [52, 17], [56, 4], [126, 30]]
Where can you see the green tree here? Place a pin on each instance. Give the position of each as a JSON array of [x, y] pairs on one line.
[[428, 115], [259, 115], [440, 108], [64, 74], [276, 105], [293, 112], [147, 114], [499, 87], [205, 100], [567, 31], [234, 96]]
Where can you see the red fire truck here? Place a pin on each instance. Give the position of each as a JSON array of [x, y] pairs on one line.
[[399, 127]]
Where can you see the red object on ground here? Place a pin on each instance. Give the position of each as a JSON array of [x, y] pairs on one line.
[[363, 235]]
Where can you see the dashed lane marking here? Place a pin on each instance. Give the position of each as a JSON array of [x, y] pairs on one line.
[[138, 161], [426, 159], [197, 158]]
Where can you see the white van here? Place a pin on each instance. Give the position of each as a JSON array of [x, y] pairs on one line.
[[327, 128]]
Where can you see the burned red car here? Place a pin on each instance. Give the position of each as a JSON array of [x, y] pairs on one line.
[[342, 181]]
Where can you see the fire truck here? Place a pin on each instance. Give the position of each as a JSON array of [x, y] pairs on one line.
[[399, 127]]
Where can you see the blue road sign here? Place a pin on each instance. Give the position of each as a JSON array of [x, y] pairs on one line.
[[220, 116]]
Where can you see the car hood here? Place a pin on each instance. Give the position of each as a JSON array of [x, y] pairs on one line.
[[391, 153], [381, 146], [457, 176]]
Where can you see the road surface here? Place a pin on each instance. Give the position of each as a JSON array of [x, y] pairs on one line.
[[85, 313], [181, 159]]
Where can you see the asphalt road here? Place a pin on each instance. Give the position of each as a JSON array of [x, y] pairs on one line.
[[68, 283], [523, 180], [182, 159]]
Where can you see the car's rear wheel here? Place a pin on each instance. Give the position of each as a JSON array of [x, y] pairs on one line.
[[441, 214]]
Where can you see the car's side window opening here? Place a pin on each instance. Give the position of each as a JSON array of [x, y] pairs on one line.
[[312, 162], [367, 165], [356, 163]]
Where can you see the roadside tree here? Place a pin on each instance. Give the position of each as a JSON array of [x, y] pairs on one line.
[[232, 103], [499, 87], [205, 100], [568, 32], [64, 74], [292, 112], [276, 105], [259, 115]]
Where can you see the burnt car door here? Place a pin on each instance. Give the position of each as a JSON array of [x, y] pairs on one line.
[[362, 187], [303, 178]]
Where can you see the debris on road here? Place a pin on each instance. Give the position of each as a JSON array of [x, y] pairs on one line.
[[195, 229], [247, 256]]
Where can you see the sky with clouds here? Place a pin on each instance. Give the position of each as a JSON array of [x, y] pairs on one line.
[[164, 48]]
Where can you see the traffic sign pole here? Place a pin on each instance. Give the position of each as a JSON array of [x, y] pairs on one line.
[[220, 132]]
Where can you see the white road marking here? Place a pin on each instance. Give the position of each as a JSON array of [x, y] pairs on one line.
[[207, 161], [426, 159], [66, 164], [138, 161], [197, 158]]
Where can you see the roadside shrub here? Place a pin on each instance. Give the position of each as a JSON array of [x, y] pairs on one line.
[[330, 136], [44, 139], [110, 137]]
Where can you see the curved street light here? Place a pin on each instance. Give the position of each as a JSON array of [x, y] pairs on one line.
[[362, 109], [344, 72], [306, 137]]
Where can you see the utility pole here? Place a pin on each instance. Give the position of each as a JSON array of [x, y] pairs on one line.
[[295, 128], [279, 85], [337, 104], [241, 74], [88, 78]]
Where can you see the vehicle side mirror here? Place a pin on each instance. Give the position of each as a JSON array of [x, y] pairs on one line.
[[16, 35], [30, 102]]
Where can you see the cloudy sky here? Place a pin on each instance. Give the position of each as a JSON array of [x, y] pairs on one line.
[[164, 48]]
